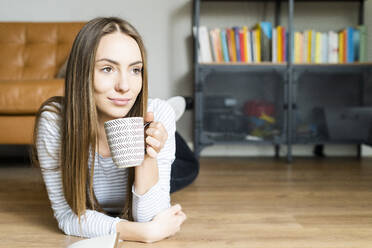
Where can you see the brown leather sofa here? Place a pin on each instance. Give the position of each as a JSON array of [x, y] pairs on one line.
[[31, 56]]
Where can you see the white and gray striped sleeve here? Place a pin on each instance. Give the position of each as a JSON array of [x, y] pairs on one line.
[[48, 143], [145, 207]]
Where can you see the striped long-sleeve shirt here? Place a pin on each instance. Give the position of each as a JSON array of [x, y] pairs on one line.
[[109, 182]]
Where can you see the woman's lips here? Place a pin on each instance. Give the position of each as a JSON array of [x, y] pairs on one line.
[[120, 101]]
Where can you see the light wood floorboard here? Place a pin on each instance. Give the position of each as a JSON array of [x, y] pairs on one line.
[[235, 202]]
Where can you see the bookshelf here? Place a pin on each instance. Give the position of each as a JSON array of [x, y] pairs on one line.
[[306, 101]]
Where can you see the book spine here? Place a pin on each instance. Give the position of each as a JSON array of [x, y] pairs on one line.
[[350, 44], [237, 43], [279, 44], [243, 46], [362, 43], [224, 46], [274, 47]]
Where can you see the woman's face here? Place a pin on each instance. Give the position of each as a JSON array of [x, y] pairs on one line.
[[117, 75]]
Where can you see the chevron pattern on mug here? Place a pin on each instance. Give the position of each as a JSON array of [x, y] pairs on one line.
[[125, 137]]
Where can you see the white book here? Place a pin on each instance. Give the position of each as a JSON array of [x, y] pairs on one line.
[[254, 48], [325, 48], [274, 43], [313, 46], [333, 47], [214, 55], [305, 50], [205, 47], [249, 46]]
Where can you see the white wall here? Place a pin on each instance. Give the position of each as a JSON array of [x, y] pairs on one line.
[[166, 28]]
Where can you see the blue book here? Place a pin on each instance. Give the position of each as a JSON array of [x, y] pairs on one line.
[[356, 42], [350, 45], [266, 39], [225, 50], [237, 43]]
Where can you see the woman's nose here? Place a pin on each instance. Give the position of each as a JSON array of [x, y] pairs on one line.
[[122, 83]]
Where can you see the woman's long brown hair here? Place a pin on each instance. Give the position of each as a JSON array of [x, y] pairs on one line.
[[79, 115]]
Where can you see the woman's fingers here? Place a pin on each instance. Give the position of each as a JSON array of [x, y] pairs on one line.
[[156, 136], [151, 152]]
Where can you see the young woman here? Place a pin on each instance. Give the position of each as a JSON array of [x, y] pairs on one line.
[[106, 78]]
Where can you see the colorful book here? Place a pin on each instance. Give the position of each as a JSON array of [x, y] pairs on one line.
[[318, 47], [341, 46], [274, 47], [216, 44], [265, 36], [243, 46], [356, 44], [362, 43], [332, 47], [237, 43], [231, 44], [204, 43], [279, 44], [349, 45], [225, 49], [244, 42]]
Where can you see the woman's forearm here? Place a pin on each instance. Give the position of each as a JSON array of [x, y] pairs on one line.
[[133, 231], [146, 175]]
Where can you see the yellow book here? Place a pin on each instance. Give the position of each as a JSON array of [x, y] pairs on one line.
[[318, 43], [279, 47], [297, 47], [341, 38], [258, 43], [245, 43], [308, 59]]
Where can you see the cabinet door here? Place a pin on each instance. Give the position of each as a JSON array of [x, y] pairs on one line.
[[332, 106], [243, 106]]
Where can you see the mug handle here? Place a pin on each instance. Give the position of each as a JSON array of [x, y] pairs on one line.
[[144, 128]]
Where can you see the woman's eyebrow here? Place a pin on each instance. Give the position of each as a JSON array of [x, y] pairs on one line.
[[117, 63], [108, 60], [137, 62]]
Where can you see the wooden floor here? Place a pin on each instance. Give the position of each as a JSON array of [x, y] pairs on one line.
[[233, 203]]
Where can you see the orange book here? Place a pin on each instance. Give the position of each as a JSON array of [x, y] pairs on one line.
[[242, 46], [216, 44], [233, 44], [245, 43]]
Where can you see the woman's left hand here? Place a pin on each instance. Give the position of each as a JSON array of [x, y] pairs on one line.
[[157, 135]]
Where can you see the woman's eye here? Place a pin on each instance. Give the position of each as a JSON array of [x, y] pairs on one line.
[[137, 70], [107, 69]]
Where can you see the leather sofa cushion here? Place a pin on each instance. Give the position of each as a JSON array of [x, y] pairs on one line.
[[17, 130], [26, 96], [34, 50]]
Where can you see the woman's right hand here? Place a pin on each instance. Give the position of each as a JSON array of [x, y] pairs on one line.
[[165, 224]]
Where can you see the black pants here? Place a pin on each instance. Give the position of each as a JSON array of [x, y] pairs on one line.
[[185, 167]]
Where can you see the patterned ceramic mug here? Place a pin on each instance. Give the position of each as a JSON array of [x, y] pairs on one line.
[[125, 137]]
